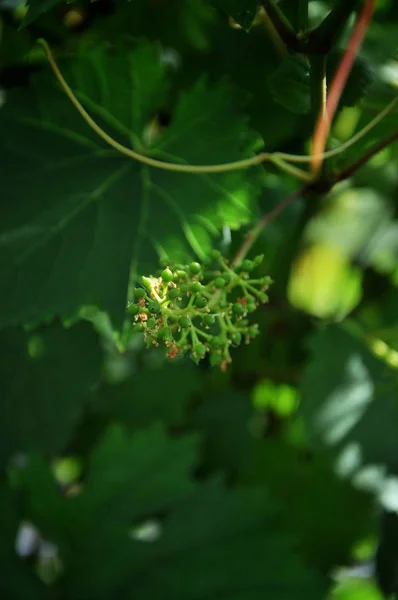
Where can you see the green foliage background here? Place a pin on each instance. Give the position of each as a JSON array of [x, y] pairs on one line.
[[126, 475]]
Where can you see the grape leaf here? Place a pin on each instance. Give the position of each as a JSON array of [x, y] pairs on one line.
[[45, 377], [174, 24], [17, 580], [228, 425], [142, 400], [80, 216], [289, 85], [212, 542], [36, 8], [349, 397]]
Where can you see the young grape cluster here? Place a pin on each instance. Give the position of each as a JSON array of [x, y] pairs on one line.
[[199, 309]]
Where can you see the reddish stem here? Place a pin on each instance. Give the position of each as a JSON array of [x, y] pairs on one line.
[[338, 83]]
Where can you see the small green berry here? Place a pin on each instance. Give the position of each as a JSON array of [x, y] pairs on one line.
[[209, 320], [219, 282], [226, 276], [196, 287], [195, 268], [250, 299], [201, 302], [247, 265], [180, 274], [263, 298], [154, 307], [216, 254], [251, 307], [217, 341], [173, 293], [139, 327], [266, 281], [236, 338], [258, 260], [216, 359], [166, 334], [151, 323], [167, 275], [238, 309], [133, 309], [253, 331], [139, 293], [199, 349], [184, 288], [184, 322]]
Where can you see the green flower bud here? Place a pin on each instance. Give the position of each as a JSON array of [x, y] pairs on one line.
[[216, 359], [194, 268], [196, 287], [263, 298], [154, 307], [266, 281], [184, 288], [209, 320], [219, 282], [184, 322], [253, 331], [251, 307], [199, 349], [236, 338], [247, 265], [226, 276], [218, 341], [258, 260], [201, 302], [133, 309], [173, 293], [238, 309], [167, 275], [139, 293], [166, 334], [151, 323], [216, 254]]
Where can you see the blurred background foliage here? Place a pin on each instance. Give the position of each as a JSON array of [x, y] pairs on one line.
[[97, 439]]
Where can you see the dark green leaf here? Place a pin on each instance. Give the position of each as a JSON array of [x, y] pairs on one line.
[[45, 377], [149, 395], [349, 397], [36, 8], [213, 542], [289, 85], [17, 579], [80, 216]]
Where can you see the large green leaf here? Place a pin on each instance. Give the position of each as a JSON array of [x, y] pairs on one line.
[[36, 8], [17, 580], [205, 541], [150, 395], [229, 423], [349, 398], [174, 24], [78, 216], [45, 378]]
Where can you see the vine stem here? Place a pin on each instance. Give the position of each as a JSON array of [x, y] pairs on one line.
[[328, 185], [350, 170], [280, 159], [339, 80], [255, 232]]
